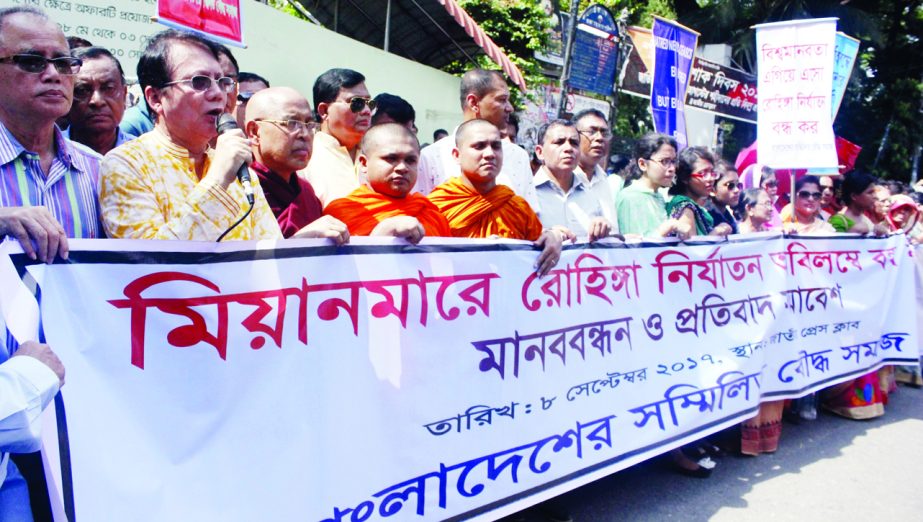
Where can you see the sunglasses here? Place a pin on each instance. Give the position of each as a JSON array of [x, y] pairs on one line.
[[771, 184], [731, 185], [244, 96], [357, 103], [36, 63], [804, 194], [203, 83]]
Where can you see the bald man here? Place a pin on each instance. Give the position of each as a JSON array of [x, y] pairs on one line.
[[280, 126], [478, 207], [388, 157]]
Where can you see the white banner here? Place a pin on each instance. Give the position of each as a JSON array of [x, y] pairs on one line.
[[439, 381], [795, 61]]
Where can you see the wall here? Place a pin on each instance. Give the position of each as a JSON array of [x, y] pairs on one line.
[[283, 49]]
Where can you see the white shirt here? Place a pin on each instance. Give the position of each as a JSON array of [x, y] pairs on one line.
[[438, 166], [605, 188], [573, 209], [26, 387]]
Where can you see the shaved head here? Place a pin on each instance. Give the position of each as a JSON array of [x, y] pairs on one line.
[[383, 131], [272, 103], [388, 159], [277, 122], [465, 130]]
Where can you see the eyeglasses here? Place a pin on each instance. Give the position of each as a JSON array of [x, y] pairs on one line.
[[705, 174], [244, 96], [357, 103], [665, 162], [731, 185], [107, 90], [771, 184], [203, 83], [596, 131], [36, 63], [804, 194], [293, 126]]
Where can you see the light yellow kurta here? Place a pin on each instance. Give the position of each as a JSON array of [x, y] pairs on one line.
[[149, 190], [331, 170]]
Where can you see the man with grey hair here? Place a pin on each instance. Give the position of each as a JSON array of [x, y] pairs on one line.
[[47, 194], [485, 96]]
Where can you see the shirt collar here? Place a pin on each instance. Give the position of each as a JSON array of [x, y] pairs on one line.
[[172, 147], [598, 175], [10, 148], [329, 141], [542, 177]]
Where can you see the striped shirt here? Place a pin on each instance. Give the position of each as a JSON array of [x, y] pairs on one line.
[[68, 191]]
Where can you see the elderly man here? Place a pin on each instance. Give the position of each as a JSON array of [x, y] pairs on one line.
[[595, 136], [47, 194], [484, 95], [248, 84], [344, 108], [281, 127], [478, 207], [168, 183], [388, 159], [99, 100], [564, 200]]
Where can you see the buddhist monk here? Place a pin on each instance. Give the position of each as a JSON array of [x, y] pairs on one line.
[[388, 158], [477, 207]]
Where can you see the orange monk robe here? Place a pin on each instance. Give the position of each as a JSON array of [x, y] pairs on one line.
[[364, 209], [500, 212]]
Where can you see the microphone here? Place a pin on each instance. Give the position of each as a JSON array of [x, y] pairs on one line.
[[224, 123]]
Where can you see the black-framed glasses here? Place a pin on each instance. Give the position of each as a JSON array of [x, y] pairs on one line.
[[357, 103], [36, 63], [590, 133], [771, 184], [292, 126], [805, 194], [664, 162], [203, 83], [244, 96]]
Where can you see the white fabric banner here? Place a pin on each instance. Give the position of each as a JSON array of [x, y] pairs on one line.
[[795, 61], [439, 381]]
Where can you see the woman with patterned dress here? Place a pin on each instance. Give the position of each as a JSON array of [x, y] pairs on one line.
[[695, 182]]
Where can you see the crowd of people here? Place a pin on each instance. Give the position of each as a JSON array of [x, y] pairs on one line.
[[76, 162]]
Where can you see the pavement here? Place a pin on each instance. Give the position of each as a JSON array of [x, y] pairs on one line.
[[829, 469]]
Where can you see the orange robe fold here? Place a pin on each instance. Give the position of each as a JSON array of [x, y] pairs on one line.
[[364, 209], [500, 212]]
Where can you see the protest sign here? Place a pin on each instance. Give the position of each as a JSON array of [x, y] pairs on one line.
[[795, 63], [721, 90], [218, 20], [444, 380], [844, 57], [674, 46]]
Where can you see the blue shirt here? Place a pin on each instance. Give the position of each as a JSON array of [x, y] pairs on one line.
[[137, 120]]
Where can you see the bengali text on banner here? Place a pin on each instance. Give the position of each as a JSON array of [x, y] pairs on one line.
[[381, 381], [795, 61]]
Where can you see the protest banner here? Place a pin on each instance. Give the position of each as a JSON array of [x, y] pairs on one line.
[[219, 20], [795, 63], [674, 46], [721, 90], [303, 381]]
